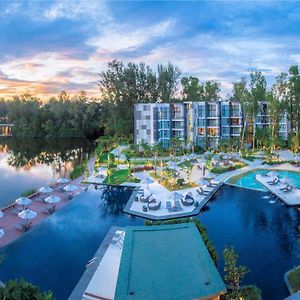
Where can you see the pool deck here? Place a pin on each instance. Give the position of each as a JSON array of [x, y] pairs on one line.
[[10, 219], [135, 208], [289, 198], [100, 277]]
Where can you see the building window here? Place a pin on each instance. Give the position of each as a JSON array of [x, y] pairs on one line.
[[201, 111], [201, 131], [225, 111], [201, 122], [225, 130]]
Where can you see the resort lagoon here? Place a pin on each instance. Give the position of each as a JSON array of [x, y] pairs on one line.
[[53, 255], [29, 164]]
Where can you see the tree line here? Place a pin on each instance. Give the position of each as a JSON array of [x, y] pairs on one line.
[[122, 85], [59, 117]]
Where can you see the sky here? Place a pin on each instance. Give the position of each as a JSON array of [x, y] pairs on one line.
[[50, 46]]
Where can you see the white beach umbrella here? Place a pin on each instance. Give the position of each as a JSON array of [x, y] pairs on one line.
[[102, 169], [1, 232], [175, 196], [202, 181], [174, 168], [193, 156], [147, 180], [45, 190], [70, 188], [171, 163], [116, 152], [27, 214], [209, 176], [63, 180], [52, 199], [23, 201], [1, 214]]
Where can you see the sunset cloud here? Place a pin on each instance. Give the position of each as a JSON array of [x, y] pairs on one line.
[[49, 46]]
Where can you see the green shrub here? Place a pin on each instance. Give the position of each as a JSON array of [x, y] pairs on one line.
[[294, 279], [78, 170], [28, 193], [20, 289], [249, 292], [201, 228], [220, 170]]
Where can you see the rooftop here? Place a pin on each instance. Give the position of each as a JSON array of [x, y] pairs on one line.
[[150, 256]]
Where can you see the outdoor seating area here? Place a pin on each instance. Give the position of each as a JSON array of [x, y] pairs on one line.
[[153, 200], [282, 188], [27, 212]]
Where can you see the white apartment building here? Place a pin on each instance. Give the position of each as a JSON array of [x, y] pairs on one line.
[[196, 123]]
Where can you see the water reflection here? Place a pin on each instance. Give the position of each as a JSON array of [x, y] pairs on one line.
[[111, 202], [27, 164], [264, 234]]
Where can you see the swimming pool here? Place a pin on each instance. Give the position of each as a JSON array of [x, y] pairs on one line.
[[263, 231], [247, 180], [53, 255]]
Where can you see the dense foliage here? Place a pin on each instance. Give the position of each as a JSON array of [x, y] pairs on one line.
[[123, 85], [61, 117], [20, 289]]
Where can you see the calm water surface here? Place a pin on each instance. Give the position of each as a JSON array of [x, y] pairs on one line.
[[263, 231], [30, 164]]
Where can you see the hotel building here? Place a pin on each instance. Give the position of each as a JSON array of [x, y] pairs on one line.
[[204, 124]]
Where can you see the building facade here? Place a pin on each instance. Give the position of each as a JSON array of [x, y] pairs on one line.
[[204, 124]]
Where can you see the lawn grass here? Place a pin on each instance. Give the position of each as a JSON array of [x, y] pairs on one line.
[[120, 176], [294, 279], [175, 186]]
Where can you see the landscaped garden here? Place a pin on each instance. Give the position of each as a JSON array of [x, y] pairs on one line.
[[119, 176]]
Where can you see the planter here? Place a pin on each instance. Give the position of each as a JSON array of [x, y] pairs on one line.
[[290, 282]]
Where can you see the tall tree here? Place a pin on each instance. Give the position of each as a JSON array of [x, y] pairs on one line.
[[241, 94], [258, 87], [168, 79], [191, 89], [211, 91], [294, 98]]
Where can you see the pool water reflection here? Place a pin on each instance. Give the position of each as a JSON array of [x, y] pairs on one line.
[[54, 254], [263, 231]]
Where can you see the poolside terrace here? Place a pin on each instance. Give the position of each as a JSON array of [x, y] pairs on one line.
[[289, 197], [163, 195], [10, 222], [100, 277]]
